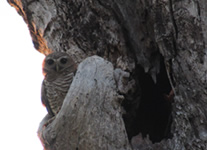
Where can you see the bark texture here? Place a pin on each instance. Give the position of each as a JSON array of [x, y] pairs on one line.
[[159, 47]]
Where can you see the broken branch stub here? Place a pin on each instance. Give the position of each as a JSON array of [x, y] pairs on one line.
[[91, 116]]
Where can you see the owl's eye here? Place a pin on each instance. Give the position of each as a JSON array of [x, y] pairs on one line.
[[50, 61], [63, 60]]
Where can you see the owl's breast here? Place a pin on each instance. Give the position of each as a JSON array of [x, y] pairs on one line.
[[56, 91]]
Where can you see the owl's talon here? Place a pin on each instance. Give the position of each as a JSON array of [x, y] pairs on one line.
[[48, 122]]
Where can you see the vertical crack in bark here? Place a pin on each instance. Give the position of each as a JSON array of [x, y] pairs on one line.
[[168, 66], [173, 18], [198, 8]]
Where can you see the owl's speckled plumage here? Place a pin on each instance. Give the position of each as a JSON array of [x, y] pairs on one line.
[[58, 69]]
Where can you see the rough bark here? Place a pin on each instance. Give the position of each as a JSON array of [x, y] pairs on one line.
[[159, 46]]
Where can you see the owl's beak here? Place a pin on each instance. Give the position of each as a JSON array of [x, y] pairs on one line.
[[57, 68]]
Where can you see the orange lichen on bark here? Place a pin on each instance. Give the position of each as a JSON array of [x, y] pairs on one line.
[[39, 42], [37, 37], [17, 4]]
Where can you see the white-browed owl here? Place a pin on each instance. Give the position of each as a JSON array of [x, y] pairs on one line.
[[58, 70]]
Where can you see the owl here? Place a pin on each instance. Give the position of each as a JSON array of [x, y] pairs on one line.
[[58, 70]]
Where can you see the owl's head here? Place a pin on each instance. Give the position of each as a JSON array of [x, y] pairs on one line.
[[57, 62]]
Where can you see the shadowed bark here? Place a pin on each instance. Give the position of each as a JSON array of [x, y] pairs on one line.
[[159, 48]]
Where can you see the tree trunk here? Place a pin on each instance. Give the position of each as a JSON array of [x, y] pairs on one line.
[[159, 50]]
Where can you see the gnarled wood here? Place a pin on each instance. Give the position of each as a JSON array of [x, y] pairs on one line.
[[91, 116]]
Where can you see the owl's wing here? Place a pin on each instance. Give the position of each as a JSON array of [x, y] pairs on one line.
[[44, 99]]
